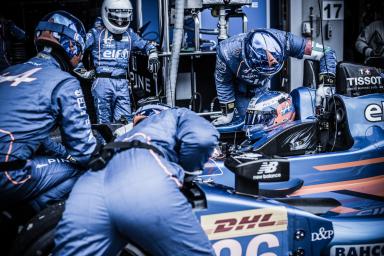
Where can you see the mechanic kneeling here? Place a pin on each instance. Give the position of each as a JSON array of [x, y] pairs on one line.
[[35, 98], [136, 198]]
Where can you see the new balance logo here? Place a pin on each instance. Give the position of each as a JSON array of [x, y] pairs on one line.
[[268, 167], [267, 171]]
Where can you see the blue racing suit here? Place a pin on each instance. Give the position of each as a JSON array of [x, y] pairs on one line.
[[111, 54], [237, 82], [35, 98], [137, 197]]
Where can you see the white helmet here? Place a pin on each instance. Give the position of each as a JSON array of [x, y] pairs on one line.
[[116, 15]]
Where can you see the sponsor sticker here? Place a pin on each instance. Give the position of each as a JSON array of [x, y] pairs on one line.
[[264, 171], [267, 171], [374, 112], [358, 250], [321, 235], [372, 211], [245, 223], [364, 80], [116, 54]]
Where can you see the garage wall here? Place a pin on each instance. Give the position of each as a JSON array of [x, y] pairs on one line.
[[299, 13]]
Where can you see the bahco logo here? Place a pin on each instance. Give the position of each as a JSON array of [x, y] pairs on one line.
[[323, 234]]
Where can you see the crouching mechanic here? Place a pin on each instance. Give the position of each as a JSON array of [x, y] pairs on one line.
[[245, 63], [36, 97], [136, 197], [111, 42]]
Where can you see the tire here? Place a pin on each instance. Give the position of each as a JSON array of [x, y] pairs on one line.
[[8, 230], [42, 246], [37, 237]]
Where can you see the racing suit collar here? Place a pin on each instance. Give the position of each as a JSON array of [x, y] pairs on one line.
[[47, 56]]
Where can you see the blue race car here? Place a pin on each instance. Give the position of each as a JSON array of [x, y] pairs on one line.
[[313, 187], [330, 165]]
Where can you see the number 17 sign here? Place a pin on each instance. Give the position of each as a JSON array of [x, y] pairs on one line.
[[333, 10]]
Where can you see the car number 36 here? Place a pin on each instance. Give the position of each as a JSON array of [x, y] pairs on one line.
[[235, 249]]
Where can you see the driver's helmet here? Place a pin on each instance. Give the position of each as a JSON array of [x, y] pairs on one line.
[[147, 111], [264, 53], [63, 31], [116, 15], [266, 112]]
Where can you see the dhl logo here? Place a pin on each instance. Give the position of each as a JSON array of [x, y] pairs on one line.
[[244, 223], [248, 222]]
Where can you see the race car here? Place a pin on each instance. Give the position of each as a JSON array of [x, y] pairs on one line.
[[336, 158], [314, 186]]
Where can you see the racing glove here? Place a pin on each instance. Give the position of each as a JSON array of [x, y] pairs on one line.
[[153, 61], [226, 117], [326, 86], [123, 129], [85, 74]]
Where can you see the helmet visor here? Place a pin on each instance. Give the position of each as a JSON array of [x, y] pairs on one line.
[[120, 17], [256, 117]]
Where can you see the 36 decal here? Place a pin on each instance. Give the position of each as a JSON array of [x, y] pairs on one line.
[[235, 249], [244, 223]]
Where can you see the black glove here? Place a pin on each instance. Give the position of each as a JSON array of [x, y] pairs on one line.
[[327, 79]]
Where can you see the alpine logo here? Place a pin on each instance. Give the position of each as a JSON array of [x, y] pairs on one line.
[[374, 112], [358, 250], [321, 235], [244, 223], [25, 77], [364, 72], [267, 170]]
